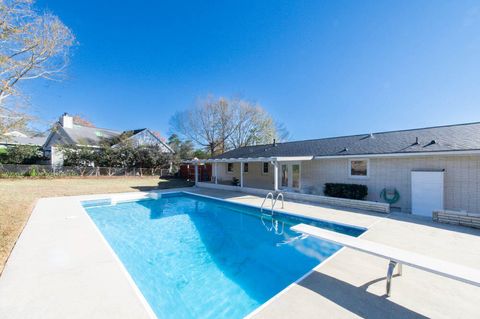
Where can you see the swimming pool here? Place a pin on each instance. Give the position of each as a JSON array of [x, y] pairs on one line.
[[197, 257]]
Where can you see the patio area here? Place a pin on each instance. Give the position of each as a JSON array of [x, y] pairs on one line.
[[61, 267]]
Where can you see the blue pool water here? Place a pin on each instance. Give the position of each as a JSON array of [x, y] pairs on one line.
[[194, 257]]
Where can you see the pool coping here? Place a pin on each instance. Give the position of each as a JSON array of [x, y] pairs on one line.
[[141, 196], [125, 272]]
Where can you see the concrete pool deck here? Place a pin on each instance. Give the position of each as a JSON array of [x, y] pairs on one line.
[[61, 267]]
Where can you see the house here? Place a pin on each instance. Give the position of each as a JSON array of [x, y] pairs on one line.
[[15, 138], [415, 170], [66, 132]]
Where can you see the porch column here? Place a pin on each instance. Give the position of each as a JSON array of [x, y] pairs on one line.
[[216, 172], [196, 173], [241, 174], [275, 176]]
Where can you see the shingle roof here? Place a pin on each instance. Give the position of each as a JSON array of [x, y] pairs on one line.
[[460, 137], [84, 135], [94, 136], [20, 140]]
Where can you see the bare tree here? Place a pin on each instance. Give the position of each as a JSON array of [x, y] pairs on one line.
[[32, 45], [220, 124], [209, 124], [254, 125], [13, 118]]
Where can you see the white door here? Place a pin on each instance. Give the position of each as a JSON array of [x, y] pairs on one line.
[[290, 176], [427, 192]]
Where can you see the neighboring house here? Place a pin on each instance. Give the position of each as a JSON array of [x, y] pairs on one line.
[[15, 138], [429, 168], [66, 132]]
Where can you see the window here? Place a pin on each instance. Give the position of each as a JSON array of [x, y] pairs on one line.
[[230, 167], [265, 168], [296, 176], [245, 167], [358, 168], [284, 175]]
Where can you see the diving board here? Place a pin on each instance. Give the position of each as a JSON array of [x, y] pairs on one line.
[[395, 255]]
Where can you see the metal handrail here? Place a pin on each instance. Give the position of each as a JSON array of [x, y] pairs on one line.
[[270, 194], [275, 202]]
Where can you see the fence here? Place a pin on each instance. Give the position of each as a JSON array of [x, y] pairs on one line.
[[48, 170], [187, 171]]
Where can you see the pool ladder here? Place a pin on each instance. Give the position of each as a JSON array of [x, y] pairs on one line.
[[274, 202], [274, 223]]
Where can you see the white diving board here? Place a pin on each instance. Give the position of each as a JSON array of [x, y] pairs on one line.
[[395, 255]]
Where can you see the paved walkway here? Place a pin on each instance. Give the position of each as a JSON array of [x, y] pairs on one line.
[[62, 268]]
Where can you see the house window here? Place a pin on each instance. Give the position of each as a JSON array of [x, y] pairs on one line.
[[359, 168], [245, 167], [265, 168], [230, 167]]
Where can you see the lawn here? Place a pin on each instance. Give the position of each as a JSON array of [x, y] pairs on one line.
[[18, 197]]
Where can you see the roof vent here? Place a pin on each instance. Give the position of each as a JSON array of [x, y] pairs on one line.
[[432, 142], [371, 135], [344, 150], [274, 143], [416, 141]]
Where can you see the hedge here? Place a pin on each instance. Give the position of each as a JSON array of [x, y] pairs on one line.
[[350, 191]]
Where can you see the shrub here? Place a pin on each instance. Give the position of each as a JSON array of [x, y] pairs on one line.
[[235, 181], [350, 191], [32, 172]]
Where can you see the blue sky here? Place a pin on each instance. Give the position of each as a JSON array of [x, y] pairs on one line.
[[323, 68]]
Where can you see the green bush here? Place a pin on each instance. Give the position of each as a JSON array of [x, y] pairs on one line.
[[350, 191], [32, 172]]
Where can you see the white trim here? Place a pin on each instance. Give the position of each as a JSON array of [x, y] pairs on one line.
[[349, 168], [293, 158], [275, 176], [256, 159]]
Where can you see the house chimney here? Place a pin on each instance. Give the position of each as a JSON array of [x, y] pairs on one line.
[[274, 143], [66, 121]]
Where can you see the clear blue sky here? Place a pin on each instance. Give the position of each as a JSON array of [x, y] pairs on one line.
[[323, 68]]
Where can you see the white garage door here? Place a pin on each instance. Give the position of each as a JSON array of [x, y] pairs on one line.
[[427, 192]]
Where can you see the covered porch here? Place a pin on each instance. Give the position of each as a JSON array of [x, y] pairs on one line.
[[263, 173]]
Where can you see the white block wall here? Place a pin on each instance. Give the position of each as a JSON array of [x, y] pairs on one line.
[[462, 178]]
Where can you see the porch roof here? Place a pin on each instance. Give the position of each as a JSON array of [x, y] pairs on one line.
[[254, 159]]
